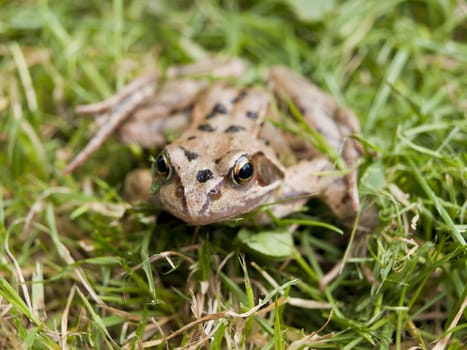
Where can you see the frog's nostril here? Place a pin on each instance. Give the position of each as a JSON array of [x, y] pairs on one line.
[[215, 194]]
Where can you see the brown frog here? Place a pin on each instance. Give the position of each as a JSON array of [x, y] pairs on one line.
[[238, 150]]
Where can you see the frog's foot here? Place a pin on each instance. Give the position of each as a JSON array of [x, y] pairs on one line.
[[137, 185], [113, 111]]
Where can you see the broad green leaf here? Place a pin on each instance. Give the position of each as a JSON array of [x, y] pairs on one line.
[[373, 178], [272, 244]]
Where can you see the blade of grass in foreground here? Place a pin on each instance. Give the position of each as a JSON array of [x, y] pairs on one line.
[[11, 296], [442, 212]]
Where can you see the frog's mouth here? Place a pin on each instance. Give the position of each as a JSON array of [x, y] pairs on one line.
[[205, 217], [212, 210]]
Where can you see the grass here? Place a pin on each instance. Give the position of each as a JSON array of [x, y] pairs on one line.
[[81, 269]]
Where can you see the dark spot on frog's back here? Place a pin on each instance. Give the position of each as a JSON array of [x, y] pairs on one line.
[[218, 108], [251, 114], [204, 175], [193, 137], [190, 155], [206, 128], [239, 97], [234, 128], [265, 141]]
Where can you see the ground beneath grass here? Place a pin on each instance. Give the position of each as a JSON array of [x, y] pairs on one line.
[[80, 268]]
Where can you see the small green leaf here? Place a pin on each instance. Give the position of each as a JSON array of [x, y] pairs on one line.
[[373, 178], [311, 10], [272, 244]]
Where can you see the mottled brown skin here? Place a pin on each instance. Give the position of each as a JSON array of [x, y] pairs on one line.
[[230, 159]]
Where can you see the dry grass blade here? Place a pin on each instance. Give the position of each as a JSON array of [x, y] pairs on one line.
[[82, 268]]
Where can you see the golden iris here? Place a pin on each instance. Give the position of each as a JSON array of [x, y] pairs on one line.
[[242, 171], [162, 166]]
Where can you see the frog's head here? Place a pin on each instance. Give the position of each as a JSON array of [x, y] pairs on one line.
[[204, 179]]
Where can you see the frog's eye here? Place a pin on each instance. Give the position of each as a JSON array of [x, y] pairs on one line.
[[242, 171], [162, 166]]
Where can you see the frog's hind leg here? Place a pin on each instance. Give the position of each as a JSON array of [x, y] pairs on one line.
[[316, 178], [323, 114], [147, 106], [112, 113], [166, 112]]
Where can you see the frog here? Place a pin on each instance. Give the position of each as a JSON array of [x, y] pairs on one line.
[[233, 155]]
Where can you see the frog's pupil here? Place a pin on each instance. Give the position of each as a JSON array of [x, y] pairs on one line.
[[161, 165], [246, 171], [243, 171]]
